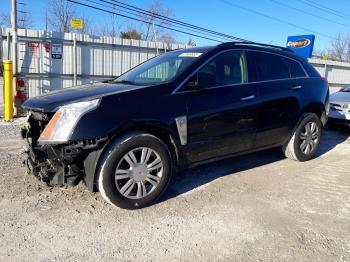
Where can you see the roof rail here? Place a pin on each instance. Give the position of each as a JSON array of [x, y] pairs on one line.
[[257, 44]]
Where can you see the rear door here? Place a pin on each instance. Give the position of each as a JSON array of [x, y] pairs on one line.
[[279, 83], [222, 117]]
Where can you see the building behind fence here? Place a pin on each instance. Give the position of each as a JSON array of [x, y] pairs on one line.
[[50, 61]]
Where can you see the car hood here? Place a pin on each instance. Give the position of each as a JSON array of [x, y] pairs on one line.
[[51, 101], [340, 97]]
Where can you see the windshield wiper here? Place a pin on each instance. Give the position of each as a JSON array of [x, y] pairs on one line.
[[124, 82], [114, 81]]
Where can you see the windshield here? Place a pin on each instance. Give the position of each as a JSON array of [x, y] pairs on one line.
[[160, 69], [346, 89]]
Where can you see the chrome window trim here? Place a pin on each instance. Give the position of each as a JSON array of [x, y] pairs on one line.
[[244, 83], [247, 83]]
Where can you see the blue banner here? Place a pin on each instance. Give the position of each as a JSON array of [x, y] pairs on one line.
[[302, 45]]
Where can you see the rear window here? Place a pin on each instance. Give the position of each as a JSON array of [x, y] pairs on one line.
[[270, 67], [311, 71], [295, 69]]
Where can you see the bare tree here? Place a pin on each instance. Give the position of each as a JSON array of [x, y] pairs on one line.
[[340, 48], [167, 38], [60, 13], [24, 20], [150, 32], [112, 28], [191, 42]]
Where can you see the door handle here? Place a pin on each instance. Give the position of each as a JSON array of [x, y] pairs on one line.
[[296, 87], [246, 98]]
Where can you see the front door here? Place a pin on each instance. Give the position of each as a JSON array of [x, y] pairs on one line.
[[221, 116]]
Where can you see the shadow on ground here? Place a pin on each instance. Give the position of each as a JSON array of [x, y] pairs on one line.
[[196, 177]]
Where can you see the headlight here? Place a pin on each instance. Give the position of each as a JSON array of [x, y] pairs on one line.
[[62, 123]]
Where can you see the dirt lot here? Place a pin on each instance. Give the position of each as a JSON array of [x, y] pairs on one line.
[[260, 207]]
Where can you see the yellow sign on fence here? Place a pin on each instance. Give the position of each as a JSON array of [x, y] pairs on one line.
[[77, 23]]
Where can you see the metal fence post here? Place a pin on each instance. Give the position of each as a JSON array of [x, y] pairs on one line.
[[75, 60], [8, 45], [325, 69]]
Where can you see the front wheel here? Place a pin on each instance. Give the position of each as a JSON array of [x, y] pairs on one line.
[[305, 141], [135, 172]]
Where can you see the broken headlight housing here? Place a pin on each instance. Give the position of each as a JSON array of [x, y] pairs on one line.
[[61, 125]]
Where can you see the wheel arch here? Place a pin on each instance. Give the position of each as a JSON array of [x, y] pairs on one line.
[[93, 162], [318, 109]]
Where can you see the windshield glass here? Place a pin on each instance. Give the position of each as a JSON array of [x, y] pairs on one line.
[[346, 89], [160, 69]]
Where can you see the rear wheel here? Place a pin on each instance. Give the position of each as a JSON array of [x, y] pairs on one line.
[[305, 141], [135, 172]]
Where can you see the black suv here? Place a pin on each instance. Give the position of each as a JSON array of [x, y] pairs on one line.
[[126, 137]]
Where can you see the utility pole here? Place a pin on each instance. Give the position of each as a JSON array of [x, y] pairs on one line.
[[14, 34], [75, 60], [46, 21], [155, 37], [14, 45]]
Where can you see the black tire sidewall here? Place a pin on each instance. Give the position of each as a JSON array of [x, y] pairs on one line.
[[111, 161], [308, 118]]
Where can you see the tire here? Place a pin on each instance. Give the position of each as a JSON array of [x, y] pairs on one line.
[[126, 179], [300, 149]]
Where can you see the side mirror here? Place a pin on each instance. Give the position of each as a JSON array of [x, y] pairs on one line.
[[193, 82], [201, 80], [206, 79]]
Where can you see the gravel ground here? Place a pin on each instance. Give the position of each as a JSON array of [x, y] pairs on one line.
[[10, 130], [260, 207], [11, 144]]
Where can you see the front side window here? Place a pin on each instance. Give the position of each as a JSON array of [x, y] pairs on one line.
[[161, 69], [226, 69], [270, 67]]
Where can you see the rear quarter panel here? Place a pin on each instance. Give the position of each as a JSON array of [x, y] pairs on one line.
[[315, 93]]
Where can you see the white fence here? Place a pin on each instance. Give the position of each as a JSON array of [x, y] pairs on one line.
[[88, 58], [91, 58], [336, 72]]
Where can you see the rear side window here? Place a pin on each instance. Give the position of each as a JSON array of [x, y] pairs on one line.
[[270, 66], [295, 69]]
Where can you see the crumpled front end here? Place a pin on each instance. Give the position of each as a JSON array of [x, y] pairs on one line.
[[56, 164]]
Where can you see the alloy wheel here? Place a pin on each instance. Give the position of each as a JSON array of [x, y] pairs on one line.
[[138, 173], [309, 138]]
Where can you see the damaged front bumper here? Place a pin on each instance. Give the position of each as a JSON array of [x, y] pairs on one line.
[[48, 164], [59, 164]]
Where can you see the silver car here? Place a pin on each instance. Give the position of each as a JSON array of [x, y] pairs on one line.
[[339, 113]]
